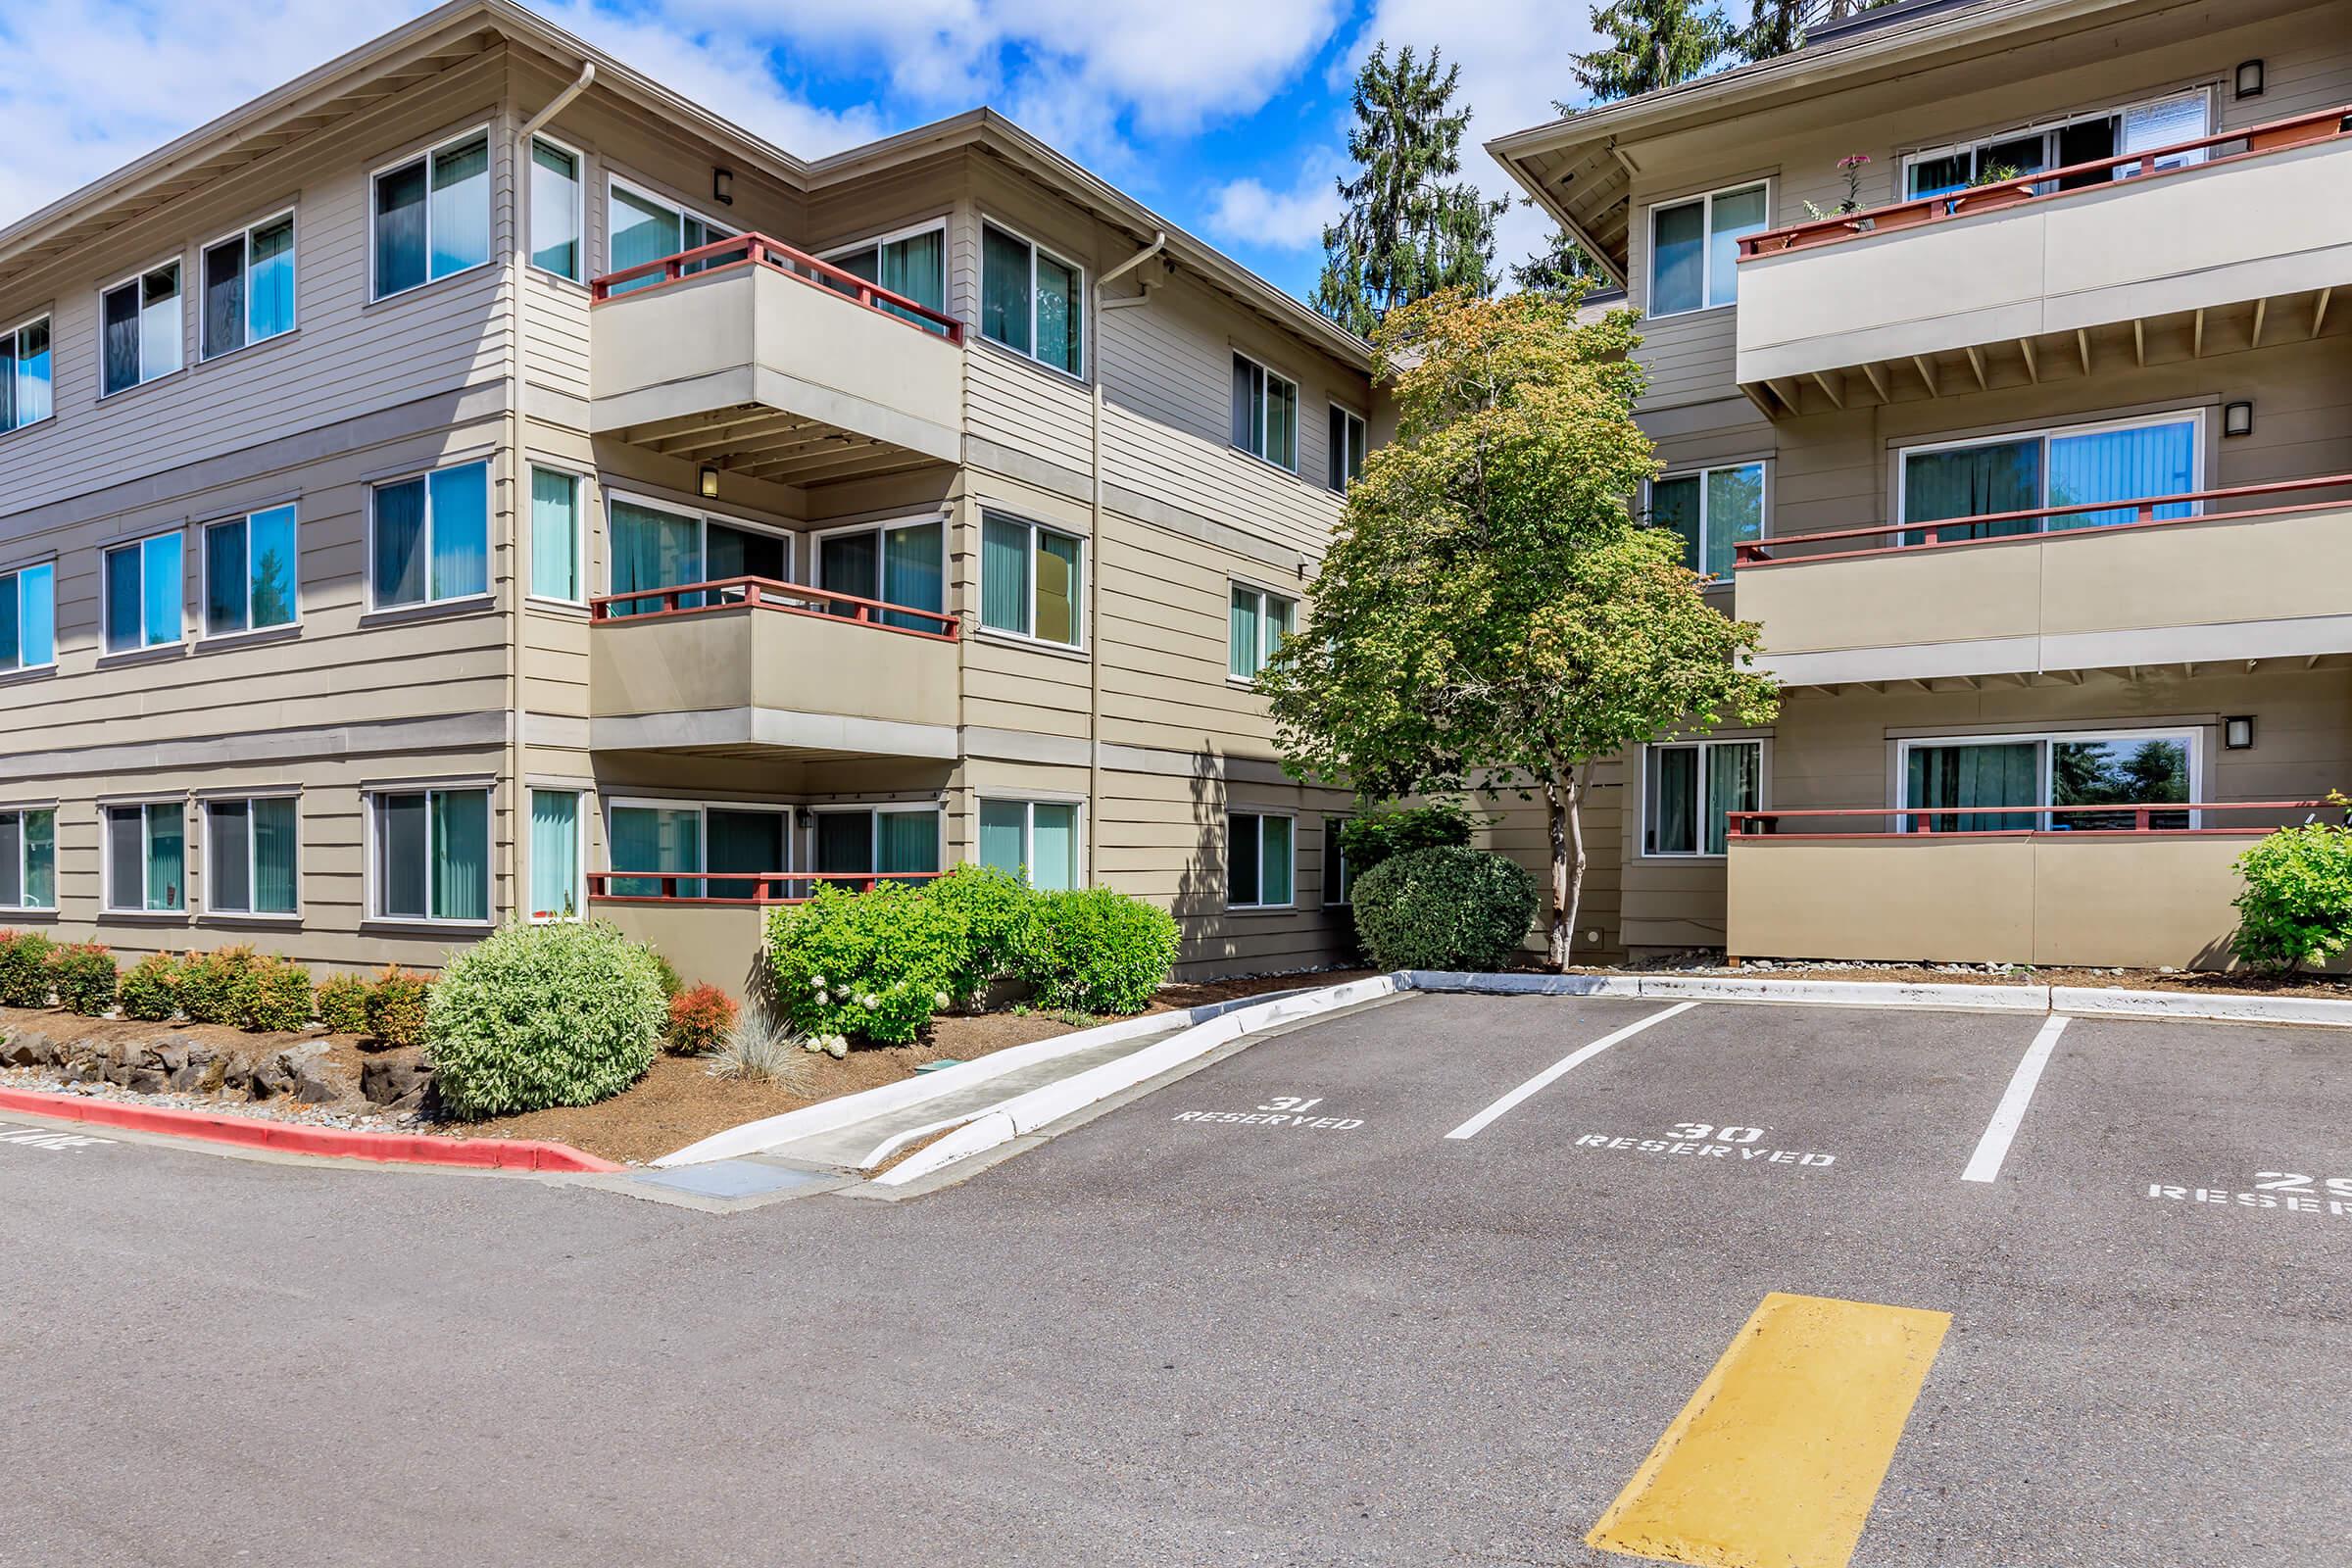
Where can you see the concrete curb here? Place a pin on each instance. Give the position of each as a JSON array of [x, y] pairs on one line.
[[293, 1138], [2121, 1003], [1852, 994]]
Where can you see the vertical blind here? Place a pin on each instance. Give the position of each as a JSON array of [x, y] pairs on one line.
[[555, 535], [554, 852], [650, 550]]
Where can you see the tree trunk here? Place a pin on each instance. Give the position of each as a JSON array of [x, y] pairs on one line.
[[1563, 799]]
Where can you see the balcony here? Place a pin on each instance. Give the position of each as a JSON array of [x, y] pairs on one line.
[[747, 667], [2226, 241], [1845, 884], [755, 357], [2254, 572], [713, 929]]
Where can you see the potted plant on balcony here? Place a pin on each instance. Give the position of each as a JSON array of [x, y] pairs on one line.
[[2002, 185]]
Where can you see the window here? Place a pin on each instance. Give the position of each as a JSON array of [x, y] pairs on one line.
[[28, 858], [143, 594], [2080, 139], [676, 842], [1265, 413], [430, 539], [1031, 302], [251, 856], [1033, 839], [27, 618], [1259, 860], [1029, 580], [882, 840], [1689, 789], [913, 263], [555, 209], [1339, 881], [647, 228], [1712, 509], [1695, 248], [24, 385], [555, 535], [1346, 448], [249, 287], [251, 567], [558, 892], [432, 214], [431, 855], [2120, 768], [147, 858], [1259, 623], [2078, 465], [898, 563], [140, 330], [654, 547]]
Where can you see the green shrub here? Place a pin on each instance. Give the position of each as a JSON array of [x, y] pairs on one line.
[[2297, 906], [342, 1003], [25, 969], [396, 1007], [1443, 909], [700, 1018], [281, 998], [217, 987], [874, 964], [538, 1016], [1378, 836], [150, 989], [1094, 950], [994, 904], [85, 976], [672, 985]]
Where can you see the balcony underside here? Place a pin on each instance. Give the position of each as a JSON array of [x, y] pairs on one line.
[[773, 735], [764, 442]]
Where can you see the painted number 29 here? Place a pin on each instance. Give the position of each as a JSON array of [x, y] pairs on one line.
[[1290, 1102], [2287, 1181], [1700, 1132]]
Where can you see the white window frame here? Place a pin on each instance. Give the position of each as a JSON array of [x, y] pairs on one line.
[[580, 794], [2047, 129], [45, 319], [1029, 802], [1340, 456], [1336, 877], [489, 593], [641, 191], [106, 626], [579, 531], [2194, 418], [703, 519], [873, 851], [1265, 643], [136, 280], [106, 855], [2045, 740], [816, 552], [204, 352], [24, 857], [580, 209], [702, 810], [246, 799], [204, 575], [1269, 376], [1260, 813], [426, 156], [1086, 565], [1080, 301], [1706, 252], [874, 242], [1699, 799], [15, 574], [370, 848], [1763, 502]]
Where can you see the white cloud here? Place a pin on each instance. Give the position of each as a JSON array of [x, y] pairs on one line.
[[1244, 212]]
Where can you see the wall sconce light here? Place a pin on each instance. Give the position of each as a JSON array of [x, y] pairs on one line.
[[2237, 418], [2249, 78], [2237, 733], [805, 817], [710, 482], [723, 180]]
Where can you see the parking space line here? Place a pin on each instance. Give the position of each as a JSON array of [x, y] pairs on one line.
[[1986, 1163], [1485, 1119]]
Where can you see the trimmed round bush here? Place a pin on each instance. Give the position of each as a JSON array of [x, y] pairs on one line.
[[396, 1008], [872, 966], [343, 1005], [25, 968], [993, 903], [279, 998], [1376, 836], [1094, 950], [540, 1015], [150, 989], [85, 975], [217, 987], [1444, 908]]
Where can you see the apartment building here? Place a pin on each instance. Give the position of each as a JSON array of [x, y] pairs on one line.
[[2034, 460], [473, 483]]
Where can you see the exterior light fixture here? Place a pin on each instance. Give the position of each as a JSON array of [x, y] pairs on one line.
[[723, 180], [710, 482], [2237, 733], [2249, 78], [2237, 418]]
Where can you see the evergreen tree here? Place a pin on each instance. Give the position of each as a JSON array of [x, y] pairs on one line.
[[1778, 25], [1556, 267], [1413, 226], [1648, 44]]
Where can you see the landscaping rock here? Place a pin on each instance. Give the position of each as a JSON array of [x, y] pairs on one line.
[[390, 1080], [270, 1075], [30, 1047], [193, 1066], [314, 1080]]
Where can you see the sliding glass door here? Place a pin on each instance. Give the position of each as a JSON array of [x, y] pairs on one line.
[[2064, 468], [1960, 782], [900, 564]]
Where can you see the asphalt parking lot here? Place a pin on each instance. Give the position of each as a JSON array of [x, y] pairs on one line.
[[1393, 1287]]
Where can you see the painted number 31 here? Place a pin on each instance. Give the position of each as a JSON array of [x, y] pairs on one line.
[[1699, 1132], [2287, 1181]]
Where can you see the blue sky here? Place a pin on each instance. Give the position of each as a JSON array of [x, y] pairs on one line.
[[1228, 116]]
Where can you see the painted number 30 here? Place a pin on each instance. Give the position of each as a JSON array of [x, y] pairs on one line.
[[1700, 1132], [2287, 1181]]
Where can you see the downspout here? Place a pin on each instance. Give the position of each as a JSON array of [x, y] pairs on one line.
[[1094, 577], [517, 477]]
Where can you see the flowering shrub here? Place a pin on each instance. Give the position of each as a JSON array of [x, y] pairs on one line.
[[25, 969], [699, 1020], [343, 1005], [1851, 167], [874, 965], [396, 1007], [217, 987], [278, 998], [85, 976], [150, 989], [1094, 950], [540, 1015]]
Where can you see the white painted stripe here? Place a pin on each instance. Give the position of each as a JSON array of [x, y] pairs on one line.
[[1994, 1148], [1485, 1119]]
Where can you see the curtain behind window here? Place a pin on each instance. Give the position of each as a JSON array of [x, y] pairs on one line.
[[914, 573], [845, 841], [120, 312], [650, 550], [1003, 575], [1973, 482], [554, 852], [1673, 792], [1242, 635], [555, 535], [1005, 313], [909, 841], [276, 830], [1735, 783], [12, 633], [2002, 774], [224, 296], [1059, 315], [2158, 460], [655, 839], [33, 397], [400, 261], [461, 869], [1002, 826], [167, 857], [399, 563], [1674, 504], [1274, 863], [270, 280], [461, 207], [460, 531]]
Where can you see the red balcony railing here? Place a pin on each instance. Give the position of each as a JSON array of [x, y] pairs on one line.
[[2047, 184], [785, 598], [757, 250], [744, 888], [2099, 821], [1991, 526]]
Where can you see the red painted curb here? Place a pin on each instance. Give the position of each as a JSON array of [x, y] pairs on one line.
[[292, 1138]]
